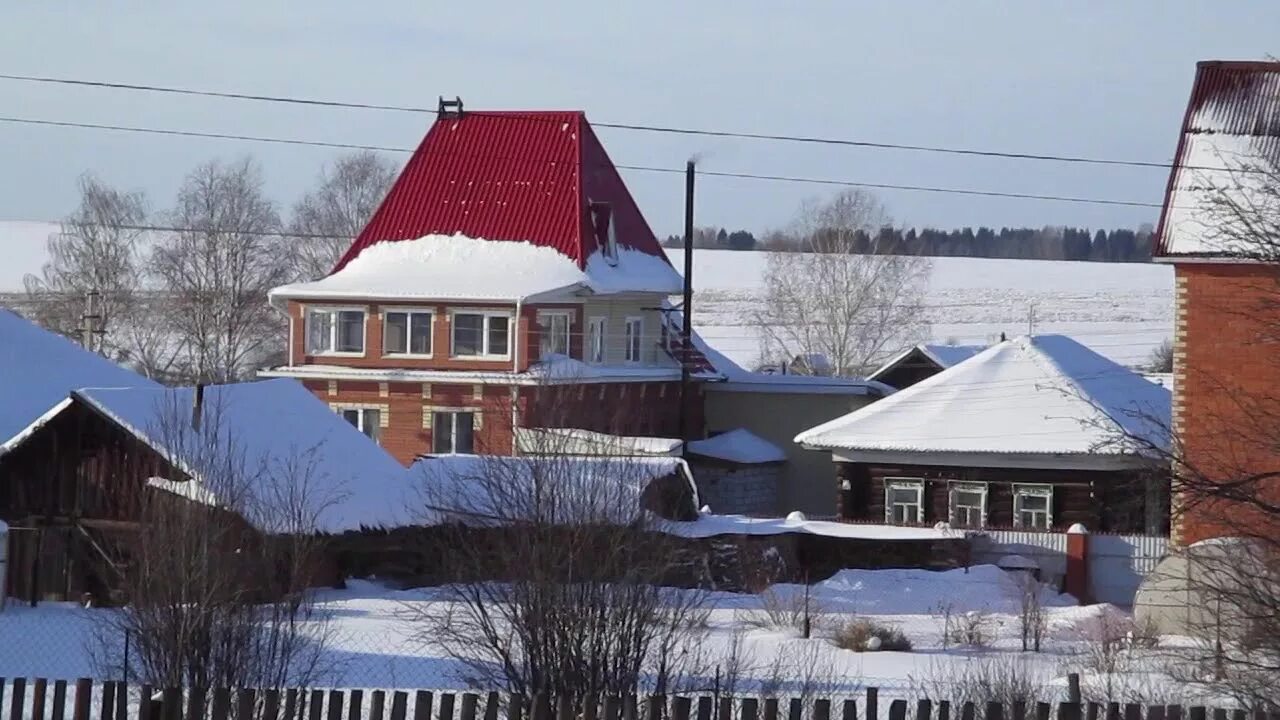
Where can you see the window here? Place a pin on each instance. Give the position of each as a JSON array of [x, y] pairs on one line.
[[968, 503], [1033, 506], [555, 332], [452, 432], [604, 229], [903, 501], [595, 340], [335, 331], [635, 331], [482, 335], [407, 333], [366, 420]]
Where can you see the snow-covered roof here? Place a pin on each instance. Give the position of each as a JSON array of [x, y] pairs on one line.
[[738, 446], [279, 438], [941, 354], [487, 489], [457, 267], [1229, 150], [710, 525], [575, 441], [544, 372], [1041, 395], [39, 369]]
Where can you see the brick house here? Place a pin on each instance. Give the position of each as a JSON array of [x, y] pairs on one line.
[[1218, 229], [1033, 433], [508, 279]]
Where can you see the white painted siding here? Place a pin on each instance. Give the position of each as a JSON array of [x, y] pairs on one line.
[[615, 311]]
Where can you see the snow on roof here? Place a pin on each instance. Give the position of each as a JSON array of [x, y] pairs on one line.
[[1043, 394], [942, 355], [738, 446], [489, 489], [710, 525], [513, 176], [948, 355], [191, 490], [39, 369], [457, 267], [574, 441], [1231, 130], [281, 437]]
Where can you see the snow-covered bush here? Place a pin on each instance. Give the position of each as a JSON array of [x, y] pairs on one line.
[[863, 634]]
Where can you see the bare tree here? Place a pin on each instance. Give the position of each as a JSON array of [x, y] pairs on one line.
[[846, 298], [217, 268], [100, 250], [556, 573], [345, 197], [216, 580], [1161, 358]]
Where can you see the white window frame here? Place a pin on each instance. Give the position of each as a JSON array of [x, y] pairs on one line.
[[408, 340], [545, 330], [633, 339], [484, 334], [903, 483], [333, 311], [1021, 490], [953, 489], [453, 414], [596, 350], [383, 421]]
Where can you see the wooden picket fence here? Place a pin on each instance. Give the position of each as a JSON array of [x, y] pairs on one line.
[[41, 699]]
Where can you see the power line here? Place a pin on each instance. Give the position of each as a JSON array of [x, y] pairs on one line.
[[639, 168], [772, 137]]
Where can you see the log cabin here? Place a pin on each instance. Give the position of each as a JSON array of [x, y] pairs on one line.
[[1035, 433]]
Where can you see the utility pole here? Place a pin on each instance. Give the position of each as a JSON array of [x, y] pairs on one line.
[[686, 331], [90, 320]]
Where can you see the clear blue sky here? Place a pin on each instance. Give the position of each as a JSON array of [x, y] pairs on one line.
[[1088, 77]]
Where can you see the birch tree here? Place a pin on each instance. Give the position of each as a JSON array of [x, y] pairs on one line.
[[217, 267], [99, 248], [346, 196], [844, 296]]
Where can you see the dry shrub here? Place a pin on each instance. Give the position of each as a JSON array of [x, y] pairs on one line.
[[856, 635], [1003, 679], [971, 629], [787, 611]]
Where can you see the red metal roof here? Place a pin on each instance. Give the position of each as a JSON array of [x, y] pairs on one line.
[[517, 176], [1240, 98]]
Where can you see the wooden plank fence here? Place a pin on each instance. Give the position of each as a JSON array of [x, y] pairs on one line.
[[41, 699]]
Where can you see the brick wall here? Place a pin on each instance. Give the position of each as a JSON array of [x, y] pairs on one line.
[[1227, 388], [620, 408], [737, 489]]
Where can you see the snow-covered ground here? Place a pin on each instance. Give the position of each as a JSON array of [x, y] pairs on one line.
[[376, 644], [1121, 310]]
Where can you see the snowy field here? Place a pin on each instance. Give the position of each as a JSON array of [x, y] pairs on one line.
[[375, 644], [1121, 310]]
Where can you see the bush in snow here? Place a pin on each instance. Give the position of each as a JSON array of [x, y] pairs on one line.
[[971, 629], [788, 608], [862, 634], [1005, 679]]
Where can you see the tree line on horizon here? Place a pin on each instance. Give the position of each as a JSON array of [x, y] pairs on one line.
[[1051, 242]]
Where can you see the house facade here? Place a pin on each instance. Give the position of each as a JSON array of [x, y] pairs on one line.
[[1034, 433], [1218, 229], [508, 280]]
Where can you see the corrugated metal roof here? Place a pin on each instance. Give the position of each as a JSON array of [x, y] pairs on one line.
[[1232, 120], [516, 176]]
